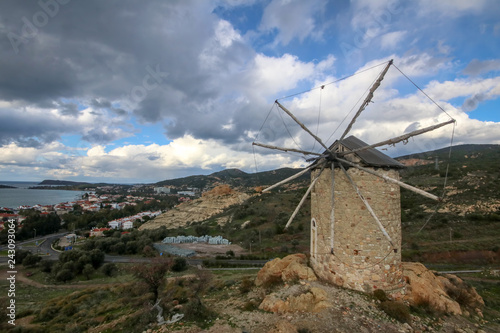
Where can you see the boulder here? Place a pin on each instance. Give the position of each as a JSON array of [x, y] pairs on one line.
[[440, 293], [218, 191], [277, 270], [312, 300], [296, 271]]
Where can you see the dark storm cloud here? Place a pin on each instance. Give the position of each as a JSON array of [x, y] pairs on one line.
[[472, 102], [106, 105], [31, 131], [68, 109], [99, 136], [160, 61]]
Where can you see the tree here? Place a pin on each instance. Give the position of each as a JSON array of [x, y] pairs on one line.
[[195, 309], [179, 265], [64, 275], [153, 273], [148, 251], [202, 230], [88, 270], [31, 260], [46, 265], [96, 258], [109, 269]]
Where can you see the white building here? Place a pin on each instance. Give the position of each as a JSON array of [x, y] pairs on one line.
[[128, 225], [162, 189], [115, 224]]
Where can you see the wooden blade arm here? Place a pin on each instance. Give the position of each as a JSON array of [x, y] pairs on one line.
[[285, 149], [302, 125], [399, 138], [332, 211], [392, 180], [289, 178], [367, 99], [304, 198]]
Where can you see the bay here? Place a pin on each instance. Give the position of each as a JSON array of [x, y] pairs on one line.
[[22, 195]]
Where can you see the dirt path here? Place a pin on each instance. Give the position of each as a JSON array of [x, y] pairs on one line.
[[463, 277], [21, 277], [460, 241]]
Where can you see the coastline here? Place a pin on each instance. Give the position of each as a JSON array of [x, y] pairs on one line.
[[21, 198]]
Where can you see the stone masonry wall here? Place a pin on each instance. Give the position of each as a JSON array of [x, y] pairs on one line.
[[363, 259]]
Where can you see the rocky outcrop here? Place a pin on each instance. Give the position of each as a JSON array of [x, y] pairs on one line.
[[211, 203], [441, 293], [219, 191], [291, 268], [310, 299]]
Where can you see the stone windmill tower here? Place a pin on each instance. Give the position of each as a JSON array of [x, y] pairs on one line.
[[355, 208]]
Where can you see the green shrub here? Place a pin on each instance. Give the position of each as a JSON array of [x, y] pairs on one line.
[[196, 311], [463, 294], [88, 270], [396, 310], [64, 275], [180, 264], [31, 260], [246, 285], [109, 269], [380, 295]]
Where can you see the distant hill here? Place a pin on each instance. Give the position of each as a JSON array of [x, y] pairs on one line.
[[460, 155], [235, 178], [61, 182], [468, 217]]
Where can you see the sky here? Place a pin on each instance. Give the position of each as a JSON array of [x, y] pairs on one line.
[[143, 91]]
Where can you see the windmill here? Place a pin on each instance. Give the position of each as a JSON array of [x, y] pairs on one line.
[[355, 206]]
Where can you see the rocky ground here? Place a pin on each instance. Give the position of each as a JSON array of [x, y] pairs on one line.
[[348, 312], [286, 298], [211, 203]]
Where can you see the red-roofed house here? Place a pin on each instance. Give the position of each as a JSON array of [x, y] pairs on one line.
[[98, 232]]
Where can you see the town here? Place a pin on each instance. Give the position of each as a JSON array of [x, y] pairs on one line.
[[125, 198]]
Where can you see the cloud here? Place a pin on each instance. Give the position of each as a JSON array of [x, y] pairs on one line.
[[447, 90], [391, 39], [203, 82], [478, 67], [292, 19], [454, 8]]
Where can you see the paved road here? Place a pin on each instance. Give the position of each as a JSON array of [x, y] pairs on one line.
[[46, 250]]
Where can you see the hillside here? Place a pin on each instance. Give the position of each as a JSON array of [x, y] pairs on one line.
[[466, 220], [61, 182], [460, 233], [235, 178], [211, 203]]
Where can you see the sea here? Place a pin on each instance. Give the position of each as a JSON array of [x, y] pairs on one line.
[[23, 195]]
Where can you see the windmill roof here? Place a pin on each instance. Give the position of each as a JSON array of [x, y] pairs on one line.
[[370, 157]]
